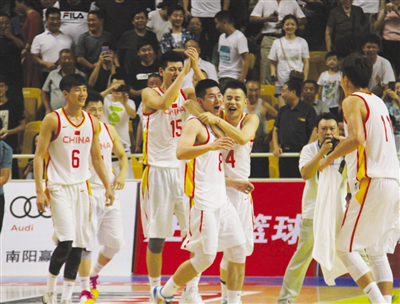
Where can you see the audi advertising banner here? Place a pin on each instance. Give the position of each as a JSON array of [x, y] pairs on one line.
[[26, 238]]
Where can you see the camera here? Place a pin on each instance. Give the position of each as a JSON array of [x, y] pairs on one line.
[[123, 88], [334, 143]]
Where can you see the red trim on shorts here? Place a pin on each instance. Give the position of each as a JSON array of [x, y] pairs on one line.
[[190, 203], [201, 221], [345, 213], [358, 217], [58, 127]]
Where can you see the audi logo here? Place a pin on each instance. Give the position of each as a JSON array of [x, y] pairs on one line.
[[22, 207]]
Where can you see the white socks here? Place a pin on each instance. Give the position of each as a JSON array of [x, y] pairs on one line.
[[374, 294], [96, 268], [51, 283], [85, 283], [68, 288], [154, 282], [169, 288], [193, 282], [234, 296], [224, 290]]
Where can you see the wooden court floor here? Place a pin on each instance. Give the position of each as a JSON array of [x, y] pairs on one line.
[[135, 290]]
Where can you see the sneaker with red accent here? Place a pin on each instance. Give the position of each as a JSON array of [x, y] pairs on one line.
[[93, 286], [86, 297]]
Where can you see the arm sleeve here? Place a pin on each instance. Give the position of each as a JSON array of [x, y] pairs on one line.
[[35, 48], [80, 47], [272, 54], [242, 44], [258, 10], [306, 155]]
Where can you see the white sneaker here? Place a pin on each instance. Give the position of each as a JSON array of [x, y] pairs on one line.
[[50, 297], [191, 296], [157, 297]]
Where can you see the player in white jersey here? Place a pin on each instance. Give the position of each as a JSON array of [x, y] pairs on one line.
[[241, 127], [106, 221], [67, 138], [163, 117], [372, 218], [213, 220]]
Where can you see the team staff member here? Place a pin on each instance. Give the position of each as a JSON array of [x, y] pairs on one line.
[[293, 127], [163, 118], [106, 221], [69, 136], [372, 220]]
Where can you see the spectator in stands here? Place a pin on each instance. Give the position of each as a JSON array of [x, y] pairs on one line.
[[46, 46], [127, 45], [118, 109], [47, 4], [382, 72], [177, 36], [196, 28], [52, 96], [234, 59], [139, 72], [389, 23], [33, 26], [206, 11], [17, 22], [74, 15], [329, 83], [208, 67], [13, 119], [100, 78], [253, 31], [10, 58], [6, 160], [288, 53], [117, 15], [309, 95], [342, 33], [371, 10], [271, 14], [158, 21], [392, 100], [262, 108], [293, 127], [90, 43]]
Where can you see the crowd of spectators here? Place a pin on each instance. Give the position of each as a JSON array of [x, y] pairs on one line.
[[118, 42]]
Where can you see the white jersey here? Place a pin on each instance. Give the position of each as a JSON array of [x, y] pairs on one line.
[[204, 181], [376, 156], [106, 145], [237, 161], [161, 132], [69, 151]]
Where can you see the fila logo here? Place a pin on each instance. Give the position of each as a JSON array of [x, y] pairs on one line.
[[72, 15]]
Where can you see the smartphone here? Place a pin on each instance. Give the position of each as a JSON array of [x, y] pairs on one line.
[[275, 14], [105, 48], [391, 85]]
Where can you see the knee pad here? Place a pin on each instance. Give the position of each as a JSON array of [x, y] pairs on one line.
[[86, 254], [224, 262], [109, 252], [156, 245], [354, 263], [72, 265], [381, 268], [236, 254], [59, 256], [202, 261]]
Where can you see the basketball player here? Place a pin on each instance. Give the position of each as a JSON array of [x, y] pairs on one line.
[[106, 221], [241, 127], [163, 118], [68, 136], [213, 220], [372, 218]]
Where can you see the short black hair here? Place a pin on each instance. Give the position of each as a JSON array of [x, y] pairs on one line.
[[72, 80], [138, 11], [3, 79], [332, 54], [2, 14], [203, 85], [167, 3], [326, 116], [155, 75], [68, 51], [235, 84], [358, 69], [371, 38], [52, 10], [294, 85], [224, 15], [93, 96], [99, 14], [170, 56], [120, 75], [143, 42], [310, 81], [175, 7]]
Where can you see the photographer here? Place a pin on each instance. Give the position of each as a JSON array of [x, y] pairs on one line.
[[311, 154], [118, 109]]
